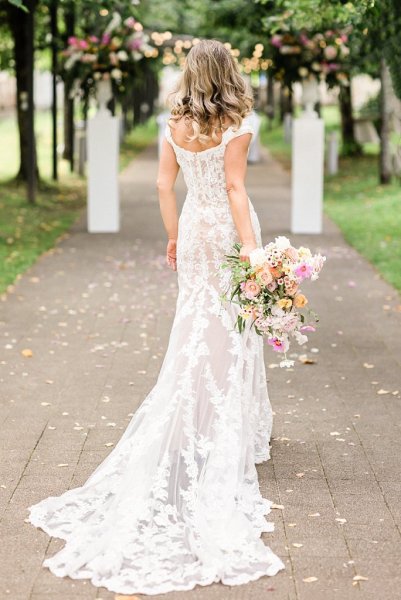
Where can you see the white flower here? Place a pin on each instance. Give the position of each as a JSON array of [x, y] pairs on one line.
[[257, 257], [300, 337], [70, 62], [282, 243], [115, 22], [304, 252], [116, 73], [122, 55], [286, 363]]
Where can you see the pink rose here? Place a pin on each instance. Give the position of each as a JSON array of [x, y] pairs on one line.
[[72, 40], [251, 289], [83, 44]]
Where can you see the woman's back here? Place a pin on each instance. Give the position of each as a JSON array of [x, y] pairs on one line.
[[203, 165]]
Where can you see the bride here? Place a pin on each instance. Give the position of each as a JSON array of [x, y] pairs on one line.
[[177, 503]]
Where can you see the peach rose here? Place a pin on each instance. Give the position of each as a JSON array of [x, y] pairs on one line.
[[300, 301], [251, 289], [292, 254], [275, 272], [291, 287], [265, 276]]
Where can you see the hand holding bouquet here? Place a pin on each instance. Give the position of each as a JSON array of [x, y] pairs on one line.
[[267, 288]]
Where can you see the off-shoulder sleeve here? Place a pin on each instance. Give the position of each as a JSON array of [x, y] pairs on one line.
[[231, 133], [167, 133]]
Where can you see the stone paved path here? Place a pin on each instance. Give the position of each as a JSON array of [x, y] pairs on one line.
[[95, 313]]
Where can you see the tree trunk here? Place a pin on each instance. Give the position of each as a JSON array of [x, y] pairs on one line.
[[350, 145], [270, 108], [21, 28], [286, 101], [68, 154], [385, 133], [137, 99]]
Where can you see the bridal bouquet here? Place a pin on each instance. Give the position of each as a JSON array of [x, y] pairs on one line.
[[267, 289]]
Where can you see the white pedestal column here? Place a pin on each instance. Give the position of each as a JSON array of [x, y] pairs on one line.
[[307, 174], [103, 156]]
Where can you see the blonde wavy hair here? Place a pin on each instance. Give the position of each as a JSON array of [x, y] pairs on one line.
[[211, 90]]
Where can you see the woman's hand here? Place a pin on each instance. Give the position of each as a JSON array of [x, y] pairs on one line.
[[245, 251], [171, 254]]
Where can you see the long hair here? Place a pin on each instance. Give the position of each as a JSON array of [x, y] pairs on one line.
[[211, 89]]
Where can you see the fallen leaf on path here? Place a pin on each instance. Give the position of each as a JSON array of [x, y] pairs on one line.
[[291, 524], [49, 381], [368, 365], [340, 520], [63, 465], [306, 360], [382, 392], [300, 474], [360, 578], [278, 506], [314, 514], [27, 353], [335, 433], [45, 404], [309, 579], [296, 545], [109, 444]]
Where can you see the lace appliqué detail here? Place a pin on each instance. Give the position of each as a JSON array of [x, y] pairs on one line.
[[177, 502]]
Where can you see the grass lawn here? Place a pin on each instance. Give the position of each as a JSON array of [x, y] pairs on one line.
[[27, 231], [368, 214], [137, 140]]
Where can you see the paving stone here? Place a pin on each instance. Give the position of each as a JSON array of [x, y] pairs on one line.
[[94, 337]]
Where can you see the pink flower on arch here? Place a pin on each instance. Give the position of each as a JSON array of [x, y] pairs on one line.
[[276, 41]]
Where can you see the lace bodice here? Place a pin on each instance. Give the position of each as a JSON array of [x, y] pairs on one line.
[[204, 171], [206, 228]]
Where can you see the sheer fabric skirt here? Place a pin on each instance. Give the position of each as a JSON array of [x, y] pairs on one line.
[[177, 502]]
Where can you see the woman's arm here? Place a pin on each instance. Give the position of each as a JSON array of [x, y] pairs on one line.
[[167, 175], [235, 163]]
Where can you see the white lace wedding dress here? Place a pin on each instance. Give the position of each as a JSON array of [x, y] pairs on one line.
[[177, 502]]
